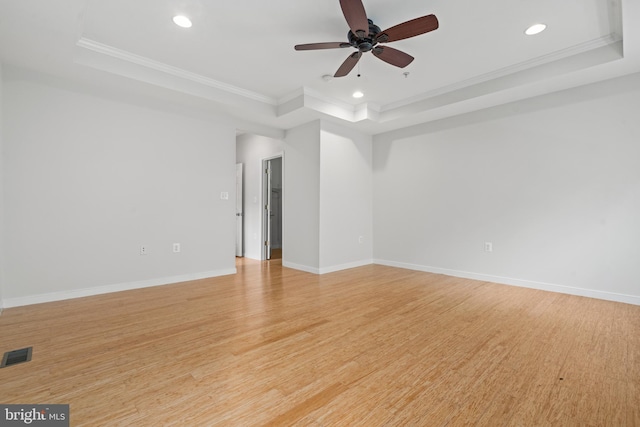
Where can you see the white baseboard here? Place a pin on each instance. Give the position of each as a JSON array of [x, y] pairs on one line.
[[609, 296], [324, 270], [300, 267], [79, 293], [346, 266]]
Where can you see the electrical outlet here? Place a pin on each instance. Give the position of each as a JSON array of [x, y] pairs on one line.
[[176, 248], [361, 239], [143, 250], [488, 247], [224, 195]]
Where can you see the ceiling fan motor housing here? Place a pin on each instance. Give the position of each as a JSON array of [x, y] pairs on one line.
[[365, 44]]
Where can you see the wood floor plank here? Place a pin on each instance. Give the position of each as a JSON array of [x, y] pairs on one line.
[[370, 346]]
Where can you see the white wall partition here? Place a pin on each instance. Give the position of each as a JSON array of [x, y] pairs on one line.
[[301, 228], [88, 181], [553, 183], [346, 193], [328, 198]]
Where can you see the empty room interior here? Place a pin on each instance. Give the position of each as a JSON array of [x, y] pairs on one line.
[[330, 213]]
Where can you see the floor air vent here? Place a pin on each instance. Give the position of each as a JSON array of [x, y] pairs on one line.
[[16, 356]]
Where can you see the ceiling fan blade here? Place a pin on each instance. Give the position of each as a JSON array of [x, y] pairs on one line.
[[348, 64], [316, 46], [392, 56], [412, 28], [354, 13]]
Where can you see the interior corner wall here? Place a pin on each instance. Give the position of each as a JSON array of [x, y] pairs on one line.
[[301, 212], [346, 198], [552, 182], [88, 181], [250, 151]]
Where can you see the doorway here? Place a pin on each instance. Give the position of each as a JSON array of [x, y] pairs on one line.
[[272, 212], [239, 211]]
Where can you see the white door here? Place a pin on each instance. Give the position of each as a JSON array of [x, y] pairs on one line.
[[239, 210]]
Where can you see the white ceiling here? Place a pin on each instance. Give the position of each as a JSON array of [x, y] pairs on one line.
[[238, 57]]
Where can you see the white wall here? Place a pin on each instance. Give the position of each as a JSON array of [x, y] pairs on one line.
[[346, 193], [250, 151], [552, 182], [89, 180], [301, 228], [1, 198]]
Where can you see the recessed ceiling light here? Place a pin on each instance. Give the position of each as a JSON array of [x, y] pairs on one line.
[[182, 21], [535, 29], [358, 94]]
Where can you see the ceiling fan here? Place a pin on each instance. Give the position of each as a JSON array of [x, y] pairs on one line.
[[365, 36]]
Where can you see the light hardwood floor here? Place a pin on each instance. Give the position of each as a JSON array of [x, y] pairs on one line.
[[370, 346]]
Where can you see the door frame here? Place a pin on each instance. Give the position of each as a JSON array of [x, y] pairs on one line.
[[265, 200], [239, 210]]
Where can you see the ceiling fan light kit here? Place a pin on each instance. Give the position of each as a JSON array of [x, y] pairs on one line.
[[366, 36]]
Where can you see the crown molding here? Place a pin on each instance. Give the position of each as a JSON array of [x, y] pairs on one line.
[[296, 105], [124, 55], [590, 45]]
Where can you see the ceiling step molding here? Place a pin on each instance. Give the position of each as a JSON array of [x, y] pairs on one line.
[[123, 55], [608, 40]]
